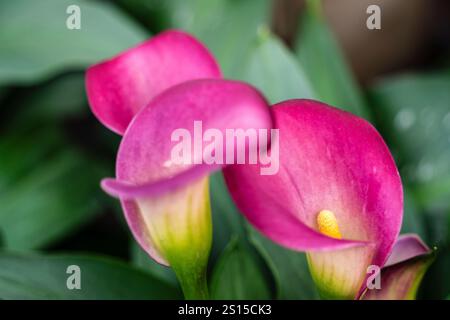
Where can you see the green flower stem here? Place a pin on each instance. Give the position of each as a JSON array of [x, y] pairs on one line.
[[190, 269], [193, 284]]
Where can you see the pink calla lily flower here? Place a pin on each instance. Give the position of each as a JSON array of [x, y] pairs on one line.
[[144, 167], [337, 195], [166, 204], [118, 88], [145, 94]]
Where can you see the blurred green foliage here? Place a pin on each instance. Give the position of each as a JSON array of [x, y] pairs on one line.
[[44, 277], [237, 275], [414, 115], [36, 43], [53, 152]]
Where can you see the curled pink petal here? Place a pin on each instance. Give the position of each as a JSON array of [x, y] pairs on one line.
[[127, 191], [401, 276], [329, 160], [406, 247], [118, 88]]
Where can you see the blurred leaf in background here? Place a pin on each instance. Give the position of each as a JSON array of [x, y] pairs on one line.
[[325, 65], [50, 201], [45, 277], [52, 101], [227, 220], [50, 165], [413, 217], [35, 42], [237, 33], [227, 27], [142, 260], [414, 115], [237, 276], [273, 69], [289, 268], [49, 185]]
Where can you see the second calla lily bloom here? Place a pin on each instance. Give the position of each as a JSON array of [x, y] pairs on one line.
[[144, 167], [337, 195], [167, 204]]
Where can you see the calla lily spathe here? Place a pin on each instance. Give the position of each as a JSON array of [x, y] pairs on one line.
[[143, 166], [166, 205], [330, 161]]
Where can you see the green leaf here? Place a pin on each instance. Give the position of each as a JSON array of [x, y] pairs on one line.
[[59, 194], [237, 275], [325, 65], [290, 269], [63, 97], [228, 222], [237, 34], [48, 186], [227, 27], [413, 219], [414, 115], [45, 277], [35, 42], [143, 261], [274, 70], [21, 149]]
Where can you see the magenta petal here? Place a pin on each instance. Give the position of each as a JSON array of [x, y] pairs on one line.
[[118, 88], [404, 270], [145, 153], [126, 190], [144, 165], [329, 159], [406, 247]]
